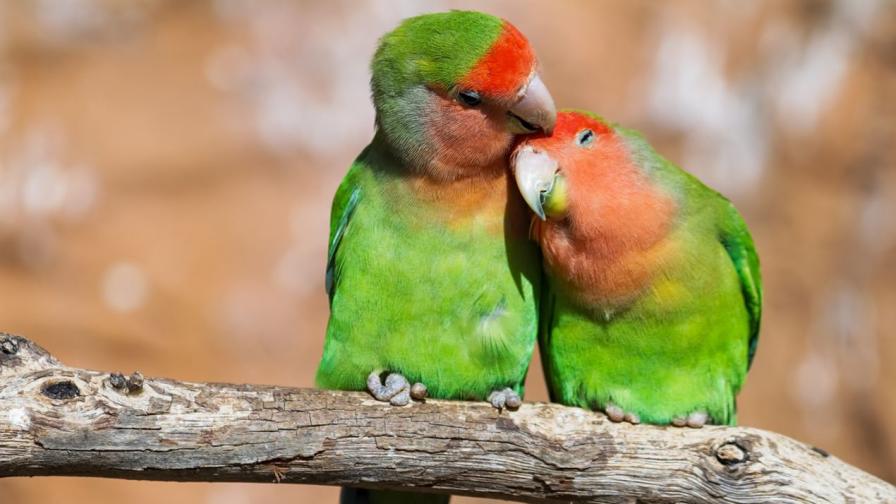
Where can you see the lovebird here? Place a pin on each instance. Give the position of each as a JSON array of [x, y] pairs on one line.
[[431, 277], [654, 297]]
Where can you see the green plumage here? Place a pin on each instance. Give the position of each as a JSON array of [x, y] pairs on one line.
[[436, 49], [684, 344], [432, 51], [436, 289], [443, 299], [430, 273]]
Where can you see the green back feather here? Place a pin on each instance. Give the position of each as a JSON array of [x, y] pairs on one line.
[[341, 214], [737, 241]]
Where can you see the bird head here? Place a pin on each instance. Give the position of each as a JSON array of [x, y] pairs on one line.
[[548, 167], [451, 90]]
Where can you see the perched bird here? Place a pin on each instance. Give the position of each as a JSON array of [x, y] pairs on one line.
[[653, 302], [431, 276]]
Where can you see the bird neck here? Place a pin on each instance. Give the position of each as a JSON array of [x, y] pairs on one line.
[[612, 240], [481, 196]]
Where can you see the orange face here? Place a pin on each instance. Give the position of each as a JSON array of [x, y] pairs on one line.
[[601, 215], [569, 124], [553, 170], [466, 140], [451, 90], [472, 125]]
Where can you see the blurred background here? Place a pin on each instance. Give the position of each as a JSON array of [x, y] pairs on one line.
[[166, 170]]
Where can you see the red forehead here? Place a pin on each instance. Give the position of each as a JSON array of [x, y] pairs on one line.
[[569, 124], [505, 67]]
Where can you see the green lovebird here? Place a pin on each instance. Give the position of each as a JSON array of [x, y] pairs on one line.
[[652, 308], [431, 276]]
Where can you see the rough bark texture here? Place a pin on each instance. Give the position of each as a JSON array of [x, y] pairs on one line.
[[56, 420]]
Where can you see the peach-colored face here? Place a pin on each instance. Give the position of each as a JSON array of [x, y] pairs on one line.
[[577, 143], [588, 155], [471, 126], [467, 140], [601, 241]]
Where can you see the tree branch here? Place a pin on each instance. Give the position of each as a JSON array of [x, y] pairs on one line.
[[56, 420]]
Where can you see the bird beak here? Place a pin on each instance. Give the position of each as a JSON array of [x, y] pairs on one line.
[[534, 172], [534, 110]]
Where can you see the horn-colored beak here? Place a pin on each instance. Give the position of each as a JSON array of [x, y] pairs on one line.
[[535, 109], [534, 171]]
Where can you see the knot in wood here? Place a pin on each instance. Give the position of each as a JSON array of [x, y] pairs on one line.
[[127, 385], [8, 345], [418, 391], [731, 453], [821, 451], [118, 381], [62, 390], [135, 382]]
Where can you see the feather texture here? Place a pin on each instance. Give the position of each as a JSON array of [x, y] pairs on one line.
[[654, 294]]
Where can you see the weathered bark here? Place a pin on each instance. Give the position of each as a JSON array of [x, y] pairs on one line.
[[56, 420]]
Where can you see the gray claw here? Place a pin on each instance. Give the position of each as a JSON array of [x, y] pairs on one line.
[[506, 398], [697, 419], [497, 399], [418, 391], [402, 398], [617, 414], [614, 413], [395, 388]]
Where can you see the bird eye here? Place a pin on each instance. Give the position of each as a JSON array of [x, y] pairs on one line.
[[469, 98], [585, 138]]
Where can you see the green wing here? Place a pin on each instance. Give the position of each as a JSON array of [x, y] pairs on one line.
[[344, 203], [739, 244]]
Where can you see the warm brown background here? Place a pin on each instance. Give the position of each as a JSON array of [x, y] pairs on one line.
[[166, 169]]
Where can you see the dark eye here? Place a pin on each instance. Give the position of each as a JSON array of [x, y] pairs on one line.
[[469, 98], [585, 138]]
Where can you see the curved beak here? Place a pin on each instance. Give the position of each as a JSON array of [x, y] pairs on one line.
[[534, 172], [535, 109]]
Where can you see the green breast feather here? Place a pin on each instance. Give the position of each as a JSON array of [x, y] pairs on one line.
[[447, 303]]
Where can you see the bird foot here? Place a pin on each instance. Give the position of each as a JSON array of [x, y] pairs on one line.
[[506, 398], [695, 420], [396, 390], [617, 414]]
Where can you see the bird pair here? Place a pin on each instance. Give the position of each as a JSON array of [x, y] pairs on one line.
[[640, 284]]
